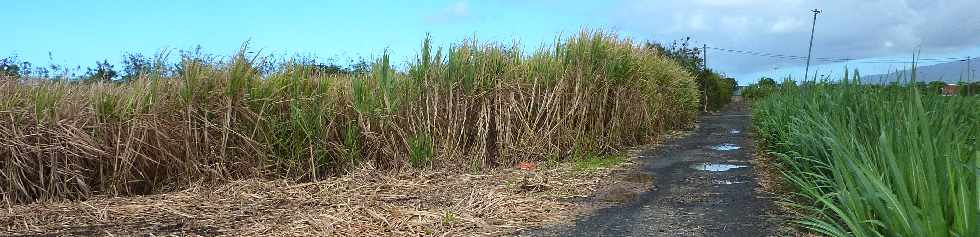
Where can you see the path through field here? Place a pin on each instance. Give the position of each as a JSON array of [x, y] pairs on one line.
[[703, 186]]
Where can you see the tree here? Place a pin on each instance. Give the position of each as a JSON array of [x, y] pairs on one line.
[[103, 71], [324, 68], [9, 68], [935, 87], [691, 58], [360, 67], [918, 84], [714, 88], [329, 68], [134, 65], [970, 89], [732, 82], [767, 82]]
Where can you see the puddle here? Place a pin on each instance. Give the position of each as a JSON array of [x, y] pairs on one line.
[[728, 182], [617, 195], [716, 167], [734, 131], [726, 147], [638, 178]]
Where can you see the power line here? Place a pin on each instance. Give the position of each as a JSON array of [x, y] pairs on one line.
[[836, 60], [755, 53], [783, 56]]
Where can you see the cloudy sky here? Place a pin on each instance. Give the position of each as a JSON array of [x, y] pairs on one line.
[[879, 32], [884, 31]]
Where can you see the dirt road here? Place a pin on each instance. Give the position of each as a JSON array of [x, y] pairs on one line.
[[703, 186]]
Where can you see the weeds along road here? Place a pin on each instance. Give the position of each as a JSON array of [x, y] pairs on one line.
[[704, 185]]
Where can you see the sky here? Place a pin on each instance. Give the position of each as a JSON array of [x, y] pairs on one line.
[[870, 31]]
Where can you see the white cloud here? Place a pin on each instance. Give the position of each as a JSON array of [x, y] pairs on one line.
[[846, 28], [739, 24], [785, 25], [460, 8], [456, 10], [727, 3], [695, 22]]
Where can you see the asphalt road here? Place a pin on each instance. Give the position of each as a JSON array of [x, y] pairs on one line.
[[687, 201]]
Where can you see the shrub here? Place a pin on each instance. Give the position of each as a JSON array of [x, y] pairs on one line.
[[715, 90]]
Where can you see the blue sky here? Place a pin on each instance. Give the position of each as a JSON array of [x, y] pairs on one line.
[[77, 32]]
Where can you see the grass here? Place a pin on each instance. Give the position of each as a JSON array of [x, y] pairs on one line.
[[449, 218], [876, 160], [472, 106], [594, 162]]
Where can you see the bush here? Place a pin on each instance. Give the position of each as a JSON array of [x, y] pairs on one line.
[[716, 91]]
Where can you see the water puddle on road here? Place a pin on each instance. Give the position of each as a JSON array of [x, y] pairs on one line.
[[728, 182], [716, 167], [638, 178], [726, 147]]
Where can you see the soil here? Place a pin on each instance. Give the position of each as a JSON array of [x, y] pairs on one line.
[[684, 201], [366, 202]]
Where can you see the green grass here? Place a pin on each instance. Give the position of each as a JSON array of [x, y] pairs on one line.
[[449, 218], [597, 162], [876, 161]]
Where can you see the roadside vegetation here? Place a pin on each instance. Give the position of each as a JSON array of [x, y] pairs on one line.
[[874, 160], [762, 89], [471, 107], [715, 89]]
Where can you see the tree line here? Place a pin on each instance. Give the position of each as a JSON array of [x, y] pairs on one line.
[[133, 65], [716, 89], [766, 86]]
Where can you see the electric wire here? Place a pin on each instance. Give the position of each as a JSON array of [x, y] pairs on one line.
[[843, 60]]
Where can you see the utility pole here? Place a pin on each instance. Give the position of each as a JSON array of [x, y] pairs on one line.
[[704, 50], [704, 56], [810, 50]]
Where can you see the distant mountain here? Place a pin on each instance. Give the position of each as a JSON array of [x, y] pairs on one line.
[[951, 72]]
